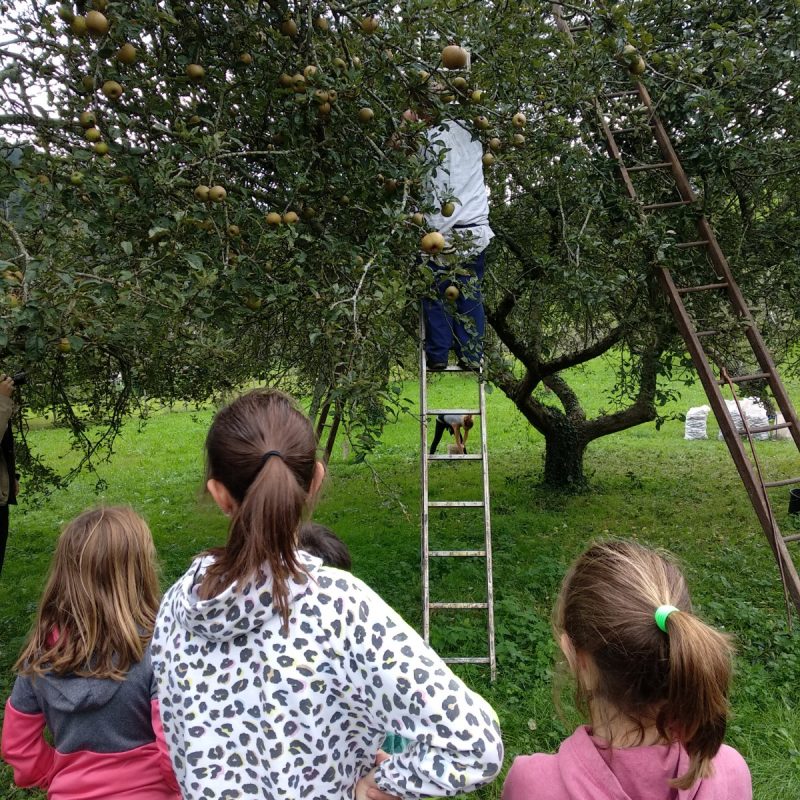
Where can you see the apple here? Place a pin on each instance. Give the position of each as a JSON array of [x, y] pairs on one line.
[[285, 80], [477, 95], [201, 193], [460, 84], [66, 13], [96, 23], [321, 96], [344, 200], [495, 143], [100, 5], [273, 218], [195, 72], [356, 61], [390, 186], [448, 209], [217, 194], [299, 82], [253, 302], [366, 114], [369, 25], [310, 71], [308, 212], [518, 120], [112, 90], [246, 59], [78, 26], [290, 218], [63, 345], [433, 242], [332, 95], [87, 119], [454, 57], [87, 81], [518, 140], [322, 24], [339, 63], [418, 218], [92, 135], [233, 230], [289, 27], [76, 179], [488, 159], [638, 67], [451, 293], [126, 54], [101, 148], [482, 123], [194, 120], [630, 53], [10, 276]]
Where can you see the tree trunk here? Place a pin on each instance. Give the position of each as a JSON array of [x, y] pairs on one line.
[[563, 458]]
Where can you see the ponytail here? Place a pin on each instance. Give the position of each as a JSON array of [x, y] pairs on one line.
[[262, 449], [696, 710], [676, 676]]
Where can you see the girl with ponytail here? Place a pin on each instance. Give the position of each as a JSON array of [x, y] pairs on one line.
[[279, 677], [652, 678]]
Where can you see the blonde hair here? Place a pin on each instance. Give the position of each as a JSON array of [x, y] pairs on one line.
[[679, 679], [99, 606]]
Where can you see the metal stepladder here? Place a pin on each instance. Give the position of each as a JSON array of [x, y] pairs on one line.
[[426, 552], [731, 301]]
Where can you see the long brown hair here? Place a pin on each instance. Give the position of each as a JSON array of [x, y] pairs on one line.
[[100, 602], [271, 491], [678, 679]]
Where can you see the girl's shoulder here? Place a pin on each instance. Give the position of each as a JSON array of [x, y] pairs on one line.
[[730, 767]]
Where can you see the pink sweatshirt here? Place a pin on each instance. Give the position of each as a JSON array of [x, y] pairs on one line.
[[581, 770]]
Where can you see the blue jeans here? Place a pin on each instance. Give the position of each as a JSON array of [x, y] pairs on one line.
[[462, 331]]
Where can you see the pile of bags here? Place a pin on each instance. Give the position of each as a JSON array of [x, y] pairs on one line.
[[755, 415]]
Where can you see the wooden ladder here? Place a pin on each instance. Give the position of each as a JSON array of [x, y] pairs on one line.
[[724, 285], [426, 553]]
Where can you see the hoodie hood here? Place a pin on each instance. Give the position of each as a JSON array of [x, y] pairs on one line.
[[69, 693], [236, 610]]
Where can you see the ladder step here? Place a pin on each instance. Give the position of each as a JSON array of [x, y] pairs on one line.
[[671, 204], [698, 243], [434, 412], [458, 457], [792, 537], [457, 553], [578, 28], [655, 165], [456, 504], [770, 428], [623, 131], [744, 378], [701, 288], [787, 482], [701, 334], [457, 606], [625, 93], [482, 660]]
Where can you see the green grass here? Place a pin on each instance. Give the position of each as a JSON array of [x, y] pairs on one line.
[[646, 484]]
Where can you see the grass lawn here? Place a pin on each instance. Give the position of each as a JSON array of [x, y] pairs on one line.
[[649, 485]]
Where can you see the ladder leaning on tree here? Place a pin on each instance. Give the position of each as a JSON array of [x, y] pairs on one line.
[[723, 285], [485, 553]]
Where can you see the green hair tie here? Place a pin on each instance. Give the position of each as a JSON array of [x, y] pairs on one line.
[[662, 612]]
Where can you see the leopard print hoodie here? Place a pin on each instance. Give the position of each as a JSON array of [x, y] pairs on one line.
[[250, 710]]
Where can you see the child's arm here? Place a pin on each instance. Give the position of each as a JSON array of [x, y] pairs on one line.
[[455, 743], [23, 744], [155, 717]]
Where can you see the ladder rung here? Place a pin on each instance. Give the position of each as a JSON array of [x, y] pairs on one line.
[[455, 368], [434, 412], [769, 428], [455, 504], [744, 378], [655, 165], [579, 28], [792, 537], [457, 606], [698, 243], [787, 482], [626, 93], [480, 660], [701, 288], [623, 131], [701, 334], [457, 553], [671, 204], [455, 457]]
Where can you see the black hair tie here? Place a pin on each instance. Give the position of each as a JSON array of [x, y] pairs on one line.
[[268, 455]]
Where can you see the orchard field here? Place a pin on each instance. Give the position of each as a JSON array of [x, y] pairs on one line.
[[646, 484]]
